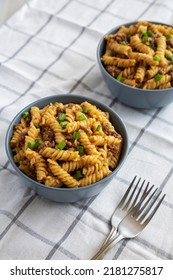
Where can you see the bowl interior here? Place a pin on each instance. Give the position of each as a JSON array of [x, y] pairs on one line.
[[67, 98]]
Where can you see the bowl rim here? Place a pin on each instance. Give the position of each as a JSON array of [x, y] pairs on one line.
[[61, 95], [98, 52]]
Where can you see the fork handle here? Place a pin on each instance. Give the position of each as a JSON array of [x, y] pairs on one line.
[[112, 234], [107, 246]]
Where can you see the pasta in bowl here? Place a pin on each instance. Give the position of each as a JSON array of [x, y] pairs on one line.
[[67, 147], [136, 61]]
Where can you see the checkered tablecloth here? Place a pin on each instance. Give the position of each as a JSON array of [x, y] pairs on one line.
[[47, 48]]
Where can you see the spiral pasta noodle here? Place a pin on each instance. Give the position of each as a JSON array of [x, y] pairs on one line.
[[59, 154], [20, 130], [35, 115], [39, 162], [120, 62], [62, 175], [160, 51], [139, 46], [94, 177], [140, 74]]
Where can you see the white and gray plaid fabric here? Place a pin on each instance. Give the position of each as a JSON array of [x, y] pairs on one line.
[[47, 48]]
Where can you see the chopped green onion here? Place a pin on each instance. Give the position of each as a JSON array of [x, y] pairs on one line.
[[25, 115], [37, 126], [63, 124], [85, 110], [128, 37], [31, 145], [152, 46], [78, 174], [168, 36], [112, 53], [144, 39], [157, 57], [61, 117], [80, 149], [61, 145], [158, 77], [76, 134], [143, 32], [170, 57], [149, 33], [81, 118], [98, 127], [119, 78], [123, 43], [38, 143]]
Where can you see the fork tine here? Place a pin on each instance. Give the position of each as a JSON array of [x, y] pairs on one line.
[[137, 209], [148, 205], [131, 196], [127, 192], [146, 191], [134, 202], [153, 211]]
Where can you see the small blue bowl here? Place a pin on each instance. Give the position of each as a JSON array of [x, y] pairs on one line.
[[131, 96], [68, 194]]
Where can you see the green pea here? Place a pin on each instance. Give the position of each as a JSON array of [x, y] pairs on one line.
[[31, 145], [38, 143], [157, 58], [119, 78], [158, 77], [98, 127], [85, 110], [76, 134], [63, 124], [61, 117], [25, 115], [61, 145], [78, 174], [80, 149], [81, 118]]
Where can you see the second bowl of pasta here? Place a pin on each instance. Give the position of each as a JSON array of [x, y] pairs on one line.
[[136, 62], [66, 147]]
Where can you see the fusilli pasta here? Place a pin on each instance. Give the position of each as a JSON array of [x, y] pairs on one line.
[[139, 53], [66, 145]]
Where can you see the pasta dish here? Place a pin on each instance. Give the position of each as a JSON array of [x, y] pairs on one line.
[[66, 145], [141, 55]]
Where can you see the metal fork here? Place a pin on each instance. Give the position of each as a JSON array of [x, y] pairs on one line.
[[129, 200], [133, 223]]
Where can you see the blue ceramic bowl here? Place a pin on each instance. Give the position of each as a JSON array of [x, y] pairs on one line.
[[131, 96], [65, 194]]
